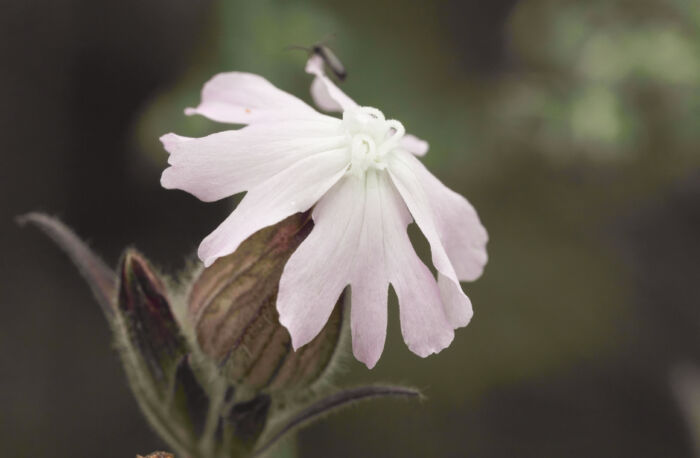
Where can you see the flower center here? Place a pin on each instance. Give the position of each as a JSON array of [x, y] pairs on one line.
[[372, 138]]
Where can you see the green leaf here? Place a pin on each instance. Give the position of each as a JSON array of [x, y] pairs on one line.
[[332, 403], [101, 279]]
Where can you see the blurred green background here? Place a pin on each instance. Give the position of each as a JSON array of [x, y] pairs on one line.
[[572, 126]]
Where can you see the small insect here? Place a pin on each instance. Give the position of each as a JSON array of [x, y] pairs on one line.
[[329, 58]]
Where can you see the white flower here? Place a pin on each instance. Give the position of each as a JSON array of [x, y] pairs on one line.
[[361, 176]]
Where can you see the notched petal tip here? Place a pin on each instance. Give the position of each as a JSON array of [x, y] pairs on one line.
[[298, 343], [171, 140], [167, 180], [207, 250], [206, 259], [471, 267], [164, 139], [473, 275], [468, 316], [367, 359], [286, 322], [299, 337], [463, 319], [432, 347]]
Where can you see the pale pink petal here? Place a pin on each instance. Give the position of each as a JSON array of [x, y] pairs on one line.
[[325, 93], [368, 317], [360, 238], [403, 173], [457, 306], [370, 276], [244, 98], [230, 162], [345, 247], [414, 145], [457, 223], [319, 269], [292, 190], [424, 324]]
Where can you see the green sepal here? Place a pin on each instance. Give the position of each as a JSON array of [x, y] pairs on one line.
[[232, 306], [246, 421], [189, 398]]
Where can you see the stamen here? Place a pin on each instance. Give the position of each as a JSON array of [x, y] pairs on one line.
[[363, 141], [372, 138], [373, 112], [397, 131], [363, 151]]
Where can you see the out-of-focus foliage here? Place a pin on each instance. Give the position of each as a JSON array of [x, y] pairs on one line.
[[244, 36], [608, 80]]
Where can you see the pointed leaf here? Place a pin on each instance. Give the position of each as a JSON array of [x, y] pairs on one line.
[[99, 276], [332, 403]]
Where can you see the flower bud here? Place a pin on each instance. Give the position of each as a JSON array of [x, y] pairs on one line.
[[149, 323], [232, 305]]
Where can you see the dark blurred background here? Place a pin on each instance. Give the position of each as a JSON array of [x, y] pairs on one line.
[[573, 127]]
